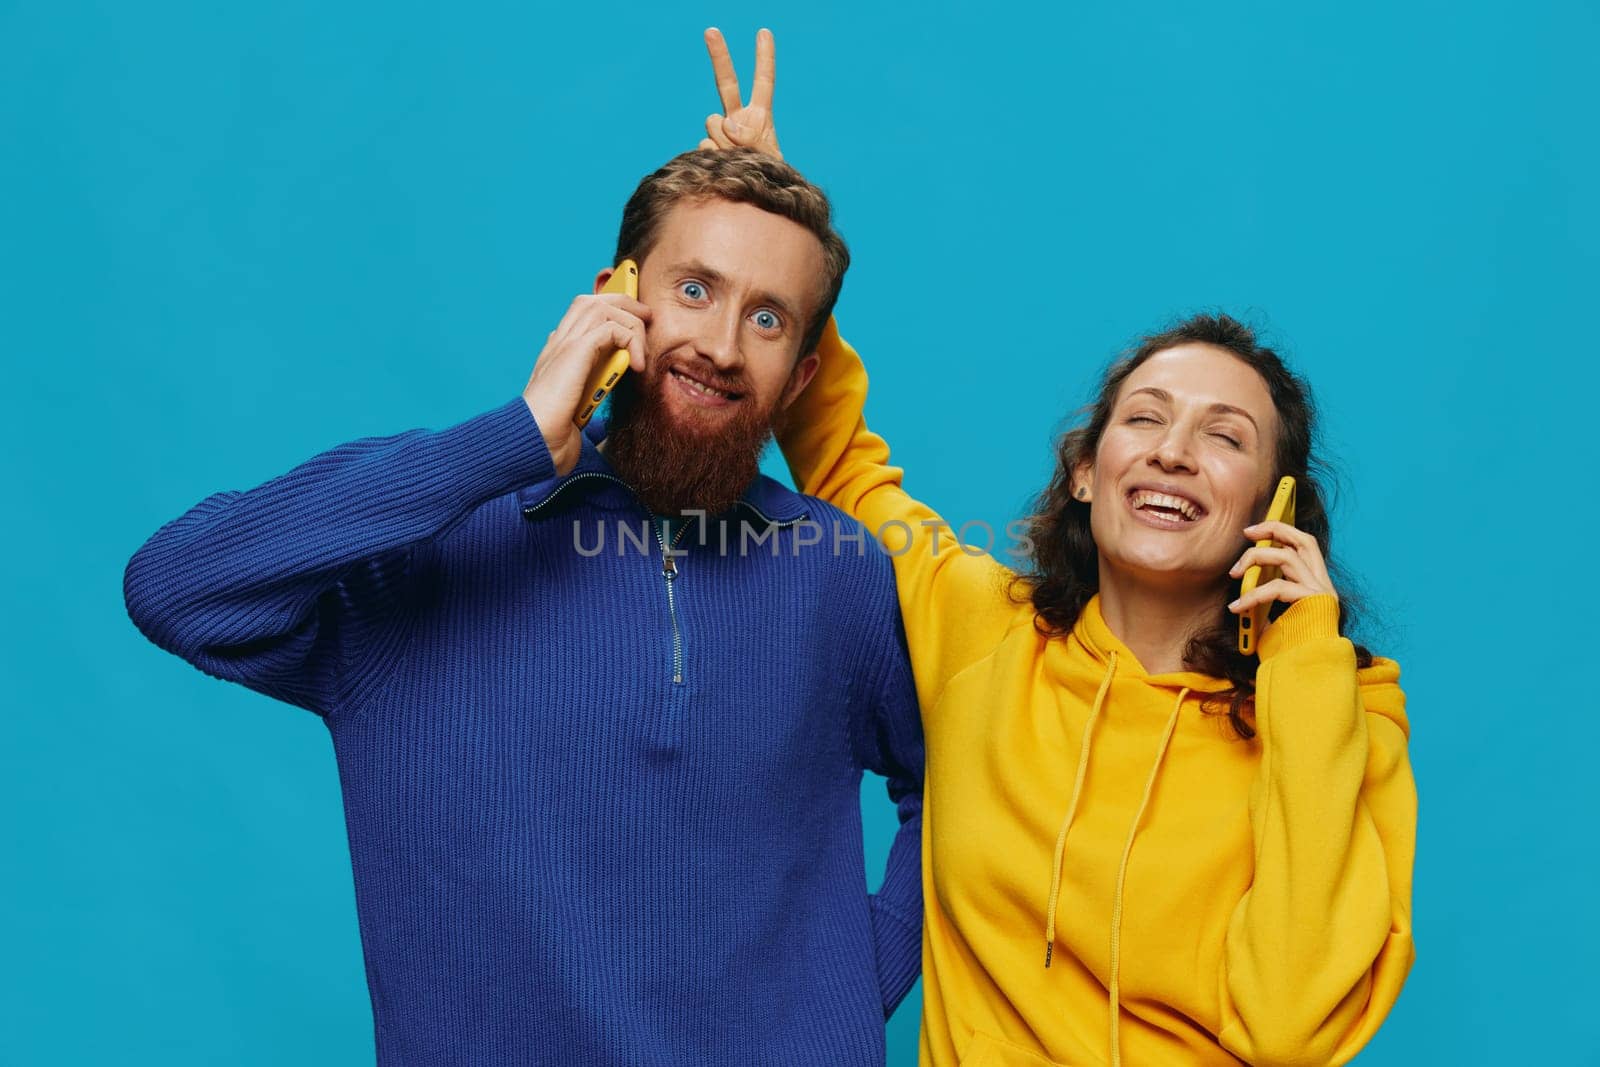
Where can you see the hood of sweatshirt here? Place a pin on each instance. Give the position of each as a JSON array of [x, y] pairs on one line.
[[1095, 644], [1089, 664]]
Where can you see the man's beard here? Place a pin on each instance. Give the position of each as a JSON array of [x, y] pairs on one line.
[[675, 464]]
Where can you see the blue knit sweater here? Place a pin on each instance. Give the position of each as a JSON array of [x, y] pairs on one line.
[[597, 815]]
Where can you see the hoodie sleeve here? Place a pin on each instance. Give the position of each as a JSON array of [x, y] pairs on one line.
[[956, 602], [292, 587], [1319, 947], [889, 743]]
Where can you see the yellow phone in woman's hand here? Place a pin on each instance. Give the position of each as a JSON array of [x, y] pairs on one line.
[[606, 373], [1252, 622]]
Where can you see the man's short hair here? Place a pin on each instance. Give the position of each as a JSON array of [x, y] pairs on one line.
[[743, 176]]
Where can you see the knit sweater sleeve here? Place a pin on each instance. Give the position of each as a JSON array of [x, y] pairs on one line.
[[955, 600], [292, 588], [889, 743], [1319, 947]]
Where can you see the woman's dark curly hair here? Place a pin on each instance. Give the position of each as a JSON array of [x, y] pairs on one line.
[[1062, 569]]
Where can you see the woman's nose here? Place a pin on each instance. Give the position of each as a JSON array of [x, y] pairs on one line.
[[1172, 453]]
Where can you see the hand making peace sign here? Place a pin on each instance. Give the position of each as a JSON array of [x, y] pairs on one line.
[[741, 125]]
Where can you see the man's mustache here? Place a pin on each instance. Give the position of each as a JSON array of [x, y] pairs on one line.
[[701, 370]]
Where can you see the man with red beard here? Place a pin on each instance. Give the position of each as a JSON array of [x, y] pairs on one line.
[[603, 805], [733, 298]]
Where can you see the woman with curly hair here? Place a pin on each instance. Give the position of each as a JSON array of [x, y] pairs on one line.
[[1139, 844]]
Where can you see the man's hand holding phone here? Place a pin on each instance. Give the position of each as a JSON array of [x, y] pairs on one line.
[[593, 328], [562, 391]]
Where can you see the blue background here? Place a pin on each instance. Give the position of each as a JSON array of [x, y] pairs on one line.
[[233, 236]]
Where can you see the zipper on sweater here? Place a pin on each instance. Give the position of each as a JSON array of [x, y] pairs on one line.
[[669, 574], [669, 564], [532, 510]]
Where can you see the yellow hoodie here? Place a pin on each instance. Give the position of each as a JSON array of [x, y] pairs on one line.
[[1198, 898]]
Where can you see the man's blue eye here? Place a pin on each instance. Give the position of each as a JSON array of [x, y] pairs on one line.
[[766, 320], [693, 290]]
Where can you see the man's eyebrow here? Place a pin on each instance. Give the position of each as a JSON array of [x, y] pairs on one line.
[[699, 269], [717, 278], [1226, 409]]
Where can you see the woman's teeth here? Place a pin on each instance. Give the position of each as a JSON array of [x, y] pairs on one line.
[[1143, 498]]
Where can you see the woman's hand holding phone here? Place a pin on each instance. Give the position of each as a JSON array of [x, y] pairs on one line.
[[1297, 558], [1302, 572], [593, 328]]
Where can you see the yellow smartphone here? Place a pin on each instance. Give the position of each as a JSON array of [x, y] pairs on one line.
[[606, 373], [1252, 622]]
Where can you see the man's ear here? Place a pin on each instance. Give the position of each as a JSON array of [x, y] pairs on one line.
[[804, 370], [603, 277]]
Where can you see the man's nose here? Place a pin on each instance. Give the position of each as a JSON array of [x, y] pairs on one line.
[[718, 341]]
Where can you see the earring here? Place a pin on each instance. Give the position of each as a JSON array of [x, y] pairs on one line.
[[1083, 492]]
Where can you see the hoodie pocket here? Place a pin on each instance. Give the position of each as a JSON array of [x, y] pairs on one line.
[[989, 1051]]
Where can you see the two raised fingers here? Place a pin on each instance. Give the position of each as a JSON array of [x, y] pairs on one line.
[[728, 78]]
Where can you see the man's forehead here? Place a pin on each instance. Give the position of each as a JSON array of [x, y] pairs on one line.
[[743, 244]]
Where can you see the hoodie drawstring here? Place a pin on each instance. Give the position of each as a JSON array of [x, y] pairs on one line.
[[1127, 849], [1122, 874], [1072, 808]]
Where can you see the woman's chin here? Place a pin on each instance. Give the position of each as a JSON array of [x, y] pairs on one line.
[[1166, 571]]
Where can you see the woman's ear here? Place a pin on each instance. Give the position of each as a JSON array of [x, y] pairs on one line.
[[1082, 481]]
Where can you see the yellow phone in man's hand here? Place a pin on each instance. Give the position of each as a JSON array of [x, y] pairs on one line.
[[606, 373], [1252, 622]]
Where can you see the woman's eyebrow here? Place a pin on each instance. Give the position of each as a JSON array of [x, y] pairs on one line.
[[1224, 409], [1229, 409]]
